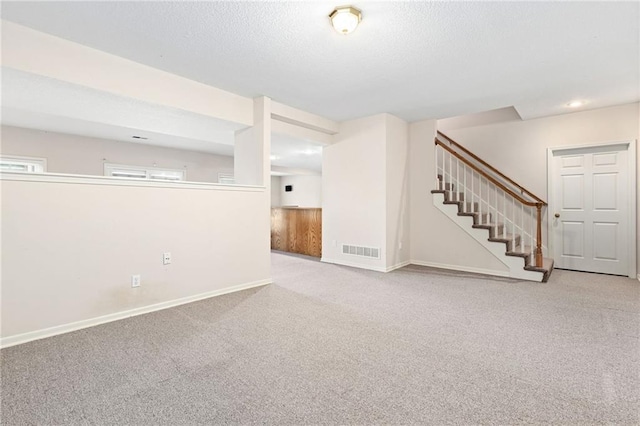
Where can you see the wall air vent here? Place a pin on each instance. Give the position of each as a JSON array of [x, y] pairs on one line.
[[361, 251]]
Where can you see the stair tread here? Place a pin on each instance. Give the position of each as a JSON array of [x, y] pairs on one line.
[[489, 225], [520, 251], [505, 238], [546, 268]]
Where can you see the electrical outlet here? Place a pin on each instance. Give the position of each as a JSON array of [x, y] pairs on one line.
[[335, 243], [400, 246], [135, 280], [166, 258]]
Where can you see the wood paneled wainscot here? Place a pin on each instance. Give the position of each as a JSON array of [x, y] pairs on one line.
[[297, 230]]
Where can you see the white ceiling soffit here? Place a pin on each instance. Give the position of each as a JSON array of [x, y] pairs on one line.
[[43, 103], [34, 101], [500, 115], [412, 59], [74, 126]]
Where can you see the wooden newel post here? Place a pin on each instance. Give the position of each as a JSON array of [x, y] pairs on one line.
[[539, 236]]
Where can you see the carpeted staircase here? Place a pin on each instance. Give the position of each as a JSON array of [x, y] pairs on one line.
[[509, 243], [501, 215]]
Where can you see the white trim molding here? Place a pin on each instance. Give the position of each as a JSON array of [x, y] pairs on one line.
[[461, 268], [398, 266], [119, 181], [369, 267], [18, 339]]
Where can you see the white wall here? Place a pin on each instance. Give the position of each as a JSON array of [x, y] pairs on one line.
[[86, 156], [435, 239], [275, 191], [353, 192], [252, 146], [365, 192], [307, 191], [69, 249], [519, 148]]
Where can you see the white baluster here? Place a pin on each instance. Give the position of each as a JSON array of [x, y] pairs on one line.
[[450, 176], [504, 213], [513, 223], [457, 188], [522, 240], [435, 161], [496, 209], [533, 234], [466, 195], [443, 166], [472, 193], [480, 221]]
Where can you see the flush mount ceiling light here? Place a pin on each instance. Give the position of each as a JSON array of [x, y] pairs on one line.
[[345, 19], [575, 104]]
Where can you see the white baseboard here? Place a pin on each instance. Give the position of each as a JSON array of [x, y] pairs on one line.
[[461, 268], [398, 266], [18, 339], [369, 267]]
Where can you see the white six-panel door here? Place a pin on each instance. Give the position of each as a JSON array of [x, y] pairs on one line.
[[590, 209]]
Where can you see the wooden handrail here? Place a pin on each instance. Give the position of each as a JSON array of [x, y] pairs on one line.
[[538, 204], [490, 167], [487, 176]]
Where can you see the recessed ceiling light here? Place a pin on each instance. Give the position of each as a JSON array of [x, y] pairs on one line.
[[575, 104], [345, 19], [274, 157]]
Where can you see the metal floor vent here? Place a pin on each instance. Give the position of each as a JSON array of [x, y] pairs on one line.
[[361, 251]]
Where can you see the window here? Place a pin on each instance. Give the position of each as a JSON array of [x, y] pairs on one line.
[[23, 164], [135, 172], [226, 178]]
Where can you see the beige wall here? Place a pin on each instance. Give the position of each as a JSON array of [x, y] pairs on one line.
[[69, 249], [435, 239], [307, 191], [397, 191], [365, 192], [353, 192], [519, 148], [86, 156]]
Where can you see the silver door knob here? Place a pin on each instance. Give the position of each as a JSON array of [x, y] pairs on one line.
[[557, 215]]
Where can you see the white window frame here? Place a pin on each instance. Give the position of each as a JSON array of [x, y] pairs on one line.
[[33, 164], [226, 178], [141, 172]]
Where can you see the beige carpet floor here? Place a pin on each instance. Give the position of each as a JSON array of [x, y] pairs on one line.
[[327, 344]]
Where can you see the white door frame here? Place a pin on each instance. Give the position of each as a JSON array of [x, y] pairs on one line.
[[632, 188]]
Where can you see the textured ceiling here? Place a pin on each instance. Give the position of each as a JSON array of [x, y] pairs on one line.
[[412, 59]]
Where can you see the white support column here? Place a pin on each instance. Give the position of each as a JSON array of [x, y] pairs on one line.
[[253, 146]]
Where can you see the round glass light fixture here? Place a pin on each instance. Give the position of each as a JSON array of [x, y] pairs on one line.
[[345, 19]]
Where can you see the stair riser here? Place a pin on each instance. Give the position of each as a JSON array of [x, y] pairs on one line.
[[471, 207], [496, 231], [480, 219], [511, 244], [446, 186], [454, 196]]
